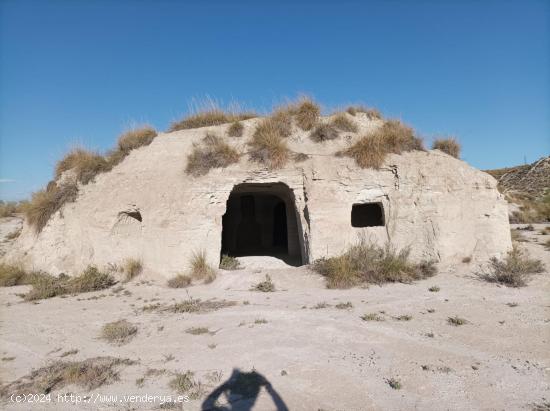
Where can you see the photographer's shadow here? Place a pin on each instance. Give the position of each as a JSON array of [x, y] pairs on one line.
[[241, 392]]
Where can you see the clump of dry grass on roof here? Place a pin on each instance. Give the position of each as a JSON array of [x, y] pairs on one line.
[[343, 123], [372, 113], [208, 113], [45, 203], [449, 146], [392, 137], [84, 164], [307, 113], [268, 146], [324, 132], [212, 153]]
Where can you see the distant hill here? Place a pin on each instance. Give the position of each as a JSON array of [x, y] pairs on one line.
[[532, 180]]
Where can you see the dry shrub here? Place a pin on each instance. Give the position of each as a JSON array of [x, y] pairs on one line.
[[89, 374], [268, 146], [513, 270], [85, 165], [11, 208], [45, 203], [266, 286], [531, 209], [369, 263], [179, 281], [235, 129], [307, 113], [185, 384], [372, 113], [208, 113], [118, 332], [342, 123], [229, 263], [132, 268], [195, 305], [324, 132], [213, 153], [135, 138], [449, 146], [392, 137], [48, 286], [14, 274]]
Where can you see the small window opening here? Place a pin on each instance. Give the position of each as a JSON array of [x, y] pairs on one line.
[[136, 215], [367, 215]]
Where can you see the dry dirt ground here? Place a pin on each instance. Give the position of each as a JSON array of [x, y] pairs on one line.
[[314, 356]]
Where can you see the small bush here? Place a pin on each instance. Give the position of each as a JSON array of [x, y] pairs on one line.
[[229, 263], [179, 281], [85, 165], [48, 286], [200, 269], [434, 289], [185, 384], [343, 123], [118, 332], [372, 113], [235, 129], [514, 270], [197, 330], [324, 132], [132, 268], [11, 208], [45, 203], [344, 306], [213, 153], [89, 374], [394, 383], [266, 286], [135, 138], [449, 146], [307, 114], [456, 321], [369, 263], [268, 146], [372, 317], [393, 137]]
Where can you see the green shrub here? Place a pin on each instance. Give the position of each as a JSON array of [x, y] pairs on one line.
[[213, 153], [369, 263], [449, 146], [513, 270]]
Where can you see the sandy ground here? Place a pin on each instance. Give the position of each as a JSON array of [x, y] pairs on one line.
[[9, 229], [314, 358]]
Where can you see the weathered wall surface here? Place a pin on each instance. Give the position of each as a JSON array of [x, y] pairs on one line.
[[439, 206]]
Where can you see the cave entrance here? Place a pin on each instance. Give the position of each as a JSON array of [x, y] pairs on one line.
[[261, 220]]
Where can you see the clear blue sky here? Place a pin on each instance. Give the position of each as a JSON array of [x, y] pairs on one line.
[[82, 71]]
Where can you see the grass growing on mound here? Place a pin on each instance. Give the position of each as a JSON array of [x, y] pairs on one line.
[[235, 129], [14, 274], [513, 270], [324, 132], [89, 374], [132, 268], [369, 263], [85, 165], [213, 153], [136, 138], [48, 286], [307, 113], [268, 146], [46, 203], [372, 113], [209, 117], [343, 123], [449, 146], [393, 137], [118, 332]]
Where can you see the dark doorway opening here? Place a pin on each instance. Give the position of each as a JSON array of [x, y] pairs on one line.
[[367, 215], [261, 220]]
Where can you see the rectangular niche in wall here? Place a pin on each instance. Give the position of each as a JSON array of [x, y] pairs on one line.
[[367, 215]]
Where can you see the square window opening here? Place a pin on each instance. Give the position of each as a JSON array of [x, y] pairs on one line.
[[367, 215]]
